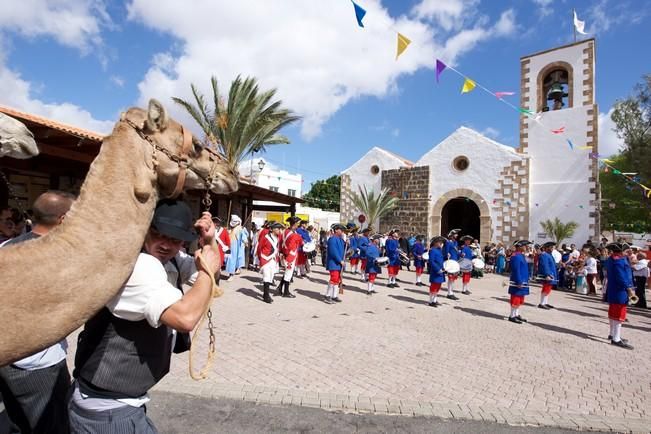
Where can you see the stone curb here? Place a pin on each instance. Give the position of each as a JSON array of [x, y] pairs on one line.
[[366, 404]]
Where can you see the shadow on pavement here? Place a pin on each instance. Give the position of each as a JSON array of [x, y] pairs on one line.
[[477, 312], [250, 293], [408, 299], [311, 294], [417, 291], [566, 331], [578, 312]]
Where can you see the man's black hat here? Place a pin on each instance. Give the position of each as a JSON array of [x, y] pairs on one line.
[[173, 219]]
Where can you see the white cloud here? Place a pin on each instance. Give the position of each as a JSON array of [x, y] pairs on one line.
[[607, 14], [449, 14], [313, 52], [18, 93], [609, 143], [544, 7], [491, 132], [74, 23], [117, 80]]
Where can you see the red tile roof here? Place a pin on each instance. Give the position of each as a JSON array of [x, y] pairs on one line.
[[79, 132]]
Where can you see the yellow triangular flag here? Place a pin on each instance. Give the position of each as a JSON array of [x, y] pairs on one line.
[[468, 86], [585, 147], [403, 42]]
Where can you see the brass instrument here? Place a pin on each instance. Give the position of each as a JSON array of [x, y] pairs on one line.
[[633, 299]]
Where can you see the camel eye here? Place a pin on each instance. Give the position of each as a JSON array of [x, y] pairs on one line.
[[197, 146]]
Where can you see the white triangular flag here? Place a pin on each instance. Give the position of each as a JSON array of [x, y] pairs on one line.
[[579, 25]]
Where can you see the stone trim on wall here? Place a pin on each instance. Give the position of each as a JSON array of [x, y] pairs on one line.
[[511, 203], [485, 227], [346, 207], [525, 102], [411, 187]]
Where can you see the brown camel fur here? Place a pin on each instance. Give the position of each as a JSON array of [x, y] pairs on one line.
[[16, 141], [52, 285]]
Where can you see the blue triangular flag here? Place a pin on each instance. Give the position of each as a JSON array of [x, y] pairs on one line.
[[570, 143], [359, 13]]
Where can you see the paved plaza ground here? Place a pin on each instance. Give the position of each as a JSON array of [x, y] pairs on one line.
[[392, 354]]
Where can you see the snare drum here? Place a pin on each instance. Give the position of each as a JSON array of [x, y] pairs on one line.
[[465, 265], [309, 247], [426, 256], [404, 258], [382, 260], [451, 266], [478, 264]]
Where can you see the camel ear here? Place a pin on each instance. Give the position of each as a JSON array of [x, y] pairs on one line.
[[156, 116]]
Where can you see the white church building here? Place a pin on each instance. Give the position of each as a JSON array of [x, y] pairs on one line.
[[495, 192]]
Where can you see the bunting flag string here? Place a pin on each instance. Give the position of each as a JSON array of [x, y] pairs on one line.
[[468, 85], [403, 43], [630, 178], [360, 12]]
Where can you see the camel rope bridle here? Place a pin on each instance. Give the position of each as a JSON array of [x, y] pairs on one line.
[[183, 162]]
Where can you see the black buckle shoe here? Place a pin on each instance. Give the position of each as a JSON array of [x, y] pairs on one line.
[[544, 306], [622, 344], [521, 319], [452, 297], [337, 300], [515, 320]]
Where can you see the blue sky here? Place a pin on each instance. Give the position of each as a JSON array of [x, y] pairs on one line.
[[84, 61]]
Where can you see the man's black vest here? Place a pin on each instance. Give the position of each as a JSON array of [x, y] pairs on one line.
[[117, 358]]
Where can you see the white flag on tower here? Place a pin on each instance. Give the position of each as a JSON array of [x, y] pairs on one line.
[[579, 25]]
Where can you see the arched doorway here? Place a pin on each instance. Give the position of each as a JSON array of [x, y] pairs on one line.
[[461, 213], [468, 197]]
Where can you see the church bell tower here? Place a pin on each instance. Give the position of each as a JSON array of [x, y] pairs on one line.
[[559, 135]]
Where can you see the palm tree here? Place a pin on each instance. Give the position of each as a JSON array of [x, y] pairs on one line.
[[373, 206], [557, 230], [247, 123]]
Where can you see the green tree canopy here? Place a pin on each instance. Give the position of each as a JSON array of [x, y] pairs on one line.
[[324, 194], [374, 206], [623, 205], [557, 230], [248, 122]]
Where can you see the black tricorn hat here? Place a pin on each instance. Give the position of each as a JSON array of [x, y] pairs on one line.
[[522, 243], [548, 244]]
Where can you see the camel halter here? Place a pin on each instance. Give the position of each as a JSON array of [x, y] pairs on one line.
[[183, 163], [181, 160]]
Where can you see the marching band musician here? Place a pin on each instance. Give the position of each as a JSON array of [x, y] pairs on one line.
[[451, 252], [619, 289], [353, 245], [419, 262], [466, 253], [547, 271], [372, 268], [336, 255], [519, 284], [268, 250], [363, 244], [392, 251], [290, 245], [301, 259], [436, 271], [222, 237]]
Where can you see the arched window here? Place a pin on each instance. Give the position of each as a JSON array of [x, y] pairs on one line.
[[555, 87]]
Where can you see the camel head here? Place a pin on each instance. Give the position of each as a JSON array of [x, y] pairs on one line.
[[203, 165], [16, 141]]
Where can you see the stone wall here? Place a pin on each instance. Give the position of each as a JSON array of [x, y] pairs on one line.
[[411, 186], [346, 207], [511, 203]]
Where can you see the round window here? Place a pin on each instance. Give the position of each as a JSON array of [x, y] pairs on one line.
[[461, 163], [375, 169]]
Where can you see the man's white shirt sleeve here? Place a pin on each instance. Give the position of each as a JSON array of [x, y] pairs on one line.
[[146, 294]]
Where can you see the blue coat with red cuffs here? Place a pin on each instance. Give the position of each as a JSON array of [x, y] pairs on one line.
[[619, 279], [372, 253], [436, 272], [519, 275], [336, 250], [418, 251], [391, 247]]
